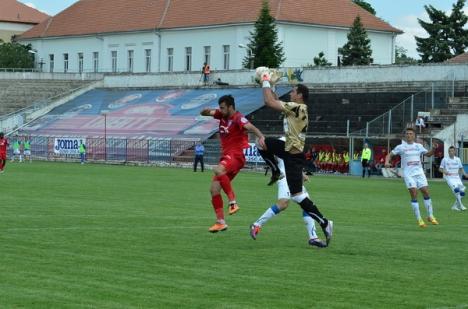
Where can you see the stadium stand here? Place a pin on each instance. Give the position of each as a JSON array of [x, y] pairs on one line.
[[17, 94], [330, 108]]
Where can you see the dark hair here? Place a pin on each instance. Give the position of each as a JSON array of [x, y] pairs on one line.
[[228, 99], [302, 89], [1, 134], [452, 147], [410, 129]]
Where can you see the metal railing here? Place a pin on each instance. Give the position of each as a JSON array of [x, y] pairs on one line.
[[404, 114], [14, 121], [110, 150]]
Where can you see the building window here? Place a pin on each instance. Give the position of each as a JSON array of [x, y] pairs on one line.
[[170, 59], [148, 60], [114, 61], [96, 62], [65, 63], [80, 62], [51, 63], [130, 60], [188, 58], [207, 54], [226, 49]]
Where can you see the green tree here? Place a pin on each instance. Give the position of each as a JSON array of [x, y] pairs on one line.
[[447, 36], [366, 6], [357, 50], [401, 56], [263, 43], [16, 56], [321, 61], [458, 34]]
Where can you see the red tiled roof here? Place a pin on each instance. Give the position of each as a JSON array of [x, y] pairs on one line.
[[101, 16], [17, 12], [462, 58]]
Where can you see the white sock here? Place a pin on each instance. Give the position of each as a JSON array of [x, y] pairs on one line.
[[415, 206], [428, 205], [310, 225], [267, 215], [458, 198]]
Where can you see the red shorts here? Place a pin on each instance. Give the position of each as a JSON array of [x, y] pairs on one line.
[[233, 163], [3, 156]]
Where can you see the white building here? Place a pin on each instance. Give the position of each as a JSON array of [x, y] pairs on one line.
[[16, 18], [163, 35]]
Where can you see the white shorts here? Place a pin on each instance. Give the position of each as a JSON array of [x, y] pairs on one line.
[[16, 151], [416, 181], [454, 183], [27, 152], [283, 190]]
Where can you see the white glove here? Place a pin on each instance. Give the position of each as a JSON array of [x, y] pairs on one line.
[[267, 77]]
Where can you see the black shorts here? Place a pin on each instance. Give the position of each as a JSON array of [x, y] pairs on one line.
[[365, 163], [293, 163]]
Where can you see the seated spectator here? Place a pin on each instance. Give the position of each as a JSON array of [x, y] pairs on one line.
[[420, 123]]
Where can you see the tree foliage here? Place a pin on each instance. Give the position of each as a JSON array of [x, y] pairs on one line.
[[401, 56], [458, 32], [446, 34], [15, 56], [357, 50], [263, 42], [321, 61], [366, 6]]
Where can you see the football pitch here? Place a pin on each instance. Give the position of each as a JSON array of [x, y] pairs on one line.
[[100, 236]]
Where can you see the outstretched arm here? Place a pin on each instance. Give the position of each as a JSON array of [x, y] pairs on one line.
[[430, 153], [387, 159], [208, 112], [261, 139]]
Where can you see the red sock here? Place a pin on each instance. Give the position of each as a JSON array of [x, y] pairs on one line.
[[217, 202], [2, 164], [225, 183]]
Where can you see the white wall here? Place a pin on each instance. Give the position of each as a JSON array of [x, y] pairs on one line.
[[104, 45], [301, 44], [343, 75], [452, 134], [20, 27]]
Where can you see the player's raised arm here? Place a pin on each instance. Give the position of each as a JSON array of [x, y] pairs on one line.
[[431, 152], [208, 112], [264, 76]]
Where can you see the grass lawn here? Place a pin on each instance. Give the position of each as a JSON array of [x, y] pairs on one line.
[[99, 236]]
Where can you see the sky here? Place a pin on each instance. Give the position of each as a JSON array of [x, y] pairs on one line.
[[402, 14]]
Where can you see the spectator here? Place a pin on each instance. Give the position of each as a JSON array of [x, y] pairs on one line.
[[309, 168], [206, 73], [82, 150], [199, 152], [420, 123]]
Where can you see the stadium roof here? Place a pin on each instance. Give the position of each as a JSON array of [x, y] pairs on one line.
[[462, 58], [17, 12], [87, 17]]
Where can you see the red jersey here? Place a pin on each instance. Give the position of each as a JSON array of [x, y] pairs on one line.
[[3, 145], [234, 137]]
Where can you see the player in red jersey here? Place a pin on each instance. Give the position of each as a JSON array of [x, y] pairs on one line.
[[3, 151], [233, 127]]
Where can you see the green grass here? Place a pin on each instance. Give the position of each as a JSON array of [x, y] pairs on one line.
[[99, 236]]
